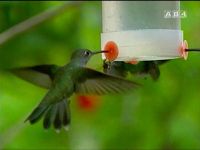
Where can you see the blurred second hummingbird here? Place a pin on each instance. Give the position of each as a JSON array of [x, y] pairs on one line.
[[121, 69], [63, 81]]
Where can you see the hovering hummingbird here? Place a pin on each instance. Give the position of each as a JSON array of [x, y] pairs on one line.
[[121, 69], [63, 81]]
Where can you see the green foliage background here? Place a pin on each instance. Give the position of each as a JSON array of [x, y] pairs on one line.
[[160, 115]]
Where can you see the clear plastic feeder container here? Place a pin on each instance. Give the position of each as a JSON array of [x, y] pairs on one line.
[[140, 30]]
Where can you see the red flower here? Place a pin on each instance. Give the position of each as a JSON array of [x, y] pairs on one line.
[[88, 102]]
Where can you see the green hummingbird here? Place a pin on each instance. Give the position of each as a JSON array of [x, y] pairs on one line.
[[63, 81], [121, 69]]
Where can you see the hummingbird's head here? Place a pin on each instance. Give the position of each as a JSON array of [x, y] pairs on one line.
[[83, 55]]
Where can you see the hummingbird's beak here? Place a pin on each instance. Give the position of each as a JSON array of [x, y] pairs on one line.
[[99, 52]]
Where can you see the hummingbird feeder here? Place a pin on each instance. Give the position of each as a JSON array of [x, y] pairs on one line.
[[141, 31]]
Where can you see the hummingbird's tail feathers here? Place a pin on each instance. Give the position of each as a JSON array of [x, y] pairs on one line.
[[37, 114], [50, 116], [57, 114]]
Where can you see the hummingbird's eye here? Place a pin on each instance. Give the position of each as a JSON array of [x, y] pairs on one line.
[[86, 53]]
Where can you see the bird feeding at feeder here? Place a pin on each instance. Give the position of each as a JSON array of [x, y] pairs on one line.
[[63, 81], [111, 51], [143, 37], [121, 68]]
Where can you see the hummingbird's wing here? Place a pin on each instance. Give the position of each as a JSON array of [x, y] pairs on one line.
[[97, 83], [40, 75]]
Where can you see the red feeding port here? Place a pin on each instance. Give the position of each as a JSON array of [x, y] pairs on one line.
[[112, 49], [183, 51]]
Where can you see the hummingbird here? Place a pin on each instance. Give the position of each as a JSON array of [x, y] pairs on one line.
[[63, 81], [121, 69]]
